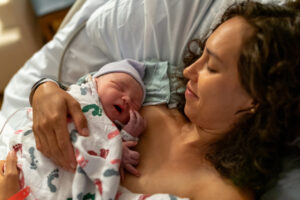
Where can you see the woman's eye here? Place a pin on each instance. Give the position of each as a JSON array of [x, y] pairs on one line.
[[211, 70]]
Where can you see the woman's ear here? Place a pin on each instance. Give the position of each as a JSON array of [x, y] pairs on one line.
[[254, 107], [250, 107]]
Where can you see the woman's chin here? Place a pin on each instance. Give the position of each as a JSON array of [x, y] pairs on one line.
[[187, 112]]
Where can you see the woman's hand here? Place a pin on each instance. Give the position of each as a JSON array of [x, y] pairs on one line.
[[51, 108], [9, 176]]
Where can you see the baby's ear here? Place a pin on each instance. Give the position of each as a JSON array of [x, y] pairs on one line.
[[97, 80]]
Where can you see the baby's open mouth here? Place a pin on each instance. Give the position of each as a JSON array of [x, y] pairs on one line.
[[118, 108]]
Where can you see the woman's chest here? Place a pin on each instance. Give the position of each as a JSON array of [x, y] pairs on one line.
[[169, 164], [165, 172], [163, 177], [166, 165]]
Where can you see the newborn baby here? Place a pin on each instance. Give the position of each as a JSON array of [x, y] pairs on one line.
[[110, 101]]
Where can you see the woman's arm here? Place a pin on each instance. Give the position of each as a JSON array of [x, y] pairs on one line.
[[51, 108]]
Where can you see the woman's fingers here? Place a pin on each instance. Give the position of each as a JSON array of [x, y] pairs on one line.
[[64, 144], [51, 107], [41, 135], [37, 141], [55, 151], [78, 117]]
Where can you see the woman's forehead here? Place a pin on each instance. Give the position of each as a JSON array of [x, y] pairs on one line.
[[227, 40]]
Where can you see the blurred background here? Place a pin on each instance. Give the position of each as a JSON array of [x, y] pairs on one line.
[[25, 26]]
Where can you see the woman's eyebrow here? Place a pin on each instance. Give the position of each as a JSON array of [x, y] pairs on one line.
[[214, 55]]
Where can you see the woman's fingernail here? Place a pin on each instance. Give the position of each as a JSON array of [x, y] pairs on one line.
[[73, 166], [71, 170], [85, 131]]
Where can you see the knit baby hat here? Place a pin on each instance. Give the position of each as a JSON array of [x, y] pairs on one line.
[[132, 67]]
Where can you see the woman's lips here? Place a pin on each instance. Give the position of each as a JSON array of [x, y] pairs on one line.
[[190, 93]]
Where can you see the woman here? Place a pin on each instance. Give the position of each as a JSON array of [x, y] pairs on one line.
[[242, 102]]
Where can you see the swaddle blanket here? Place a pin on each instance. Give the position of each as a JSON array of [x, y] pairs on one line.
[[98, 157]]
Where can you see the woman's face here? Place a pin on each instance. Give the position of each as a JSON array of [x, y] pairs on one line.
[[214, 95]]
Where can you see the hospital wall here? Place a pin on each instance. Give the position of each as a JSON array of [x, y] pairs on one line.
[[20, 37]]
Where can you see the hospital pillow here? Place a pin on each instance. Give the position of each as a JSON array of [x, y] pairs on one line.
[[287, 187]]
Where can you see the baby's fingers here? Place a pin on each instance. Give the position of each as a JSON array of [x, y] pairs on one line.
[[134, 155], [133, 117], [11, 163], [139, 119], [122, 173], [130, 144], [132, 170]]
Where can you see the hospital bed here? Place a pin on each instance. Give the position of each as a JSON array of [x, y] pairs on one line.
[[79, 23]]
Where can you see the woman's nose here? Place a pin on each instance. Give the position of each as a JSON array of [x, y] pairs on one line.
[[191, 73]]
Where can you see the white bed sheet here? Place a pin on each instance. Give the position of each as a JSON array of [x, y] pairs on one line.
[[7, 130], [116, 29]]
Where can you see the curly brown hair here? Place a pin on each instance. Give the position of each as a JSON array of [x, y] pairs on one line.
[[251, 153]]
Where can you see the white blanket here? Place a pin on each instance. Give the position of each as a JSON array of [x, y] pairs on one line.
[[6, 131], [116, 29]]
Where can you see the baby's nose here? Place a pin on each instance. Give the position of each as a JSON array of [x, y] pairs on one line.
[[130, 103], [126, 99]]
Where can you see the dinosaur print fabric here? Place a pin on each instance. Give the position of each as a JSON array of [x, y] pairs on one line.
[[98, 157]]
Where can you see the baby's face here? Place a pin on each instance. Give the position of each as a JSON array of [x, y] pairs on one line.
[[119, 93]]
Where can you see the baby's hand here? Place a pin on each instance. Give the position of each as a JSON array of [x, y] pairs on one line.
[[136, 124], [130, 158]]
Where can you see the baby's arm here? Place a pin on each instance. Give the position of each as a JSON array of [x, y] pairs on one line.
[[130, 132], [136, 124]]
